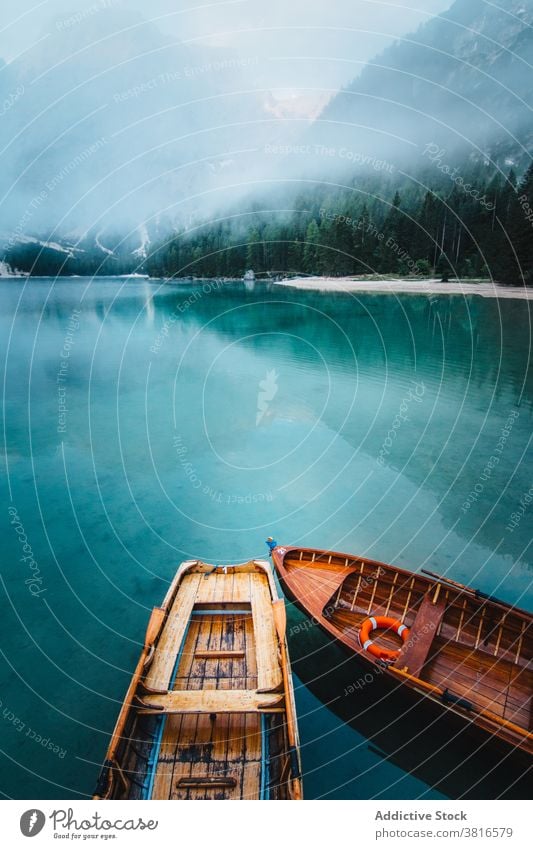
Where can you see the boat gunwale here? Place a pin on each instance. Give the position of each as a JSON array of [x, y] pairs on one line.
[[278, 556], [129, 708], [522, 739]]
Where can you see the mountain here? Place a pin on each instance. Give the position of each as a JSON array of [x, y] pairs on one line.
[[114, 135], [114, 129], [420, 167], [461, 82]]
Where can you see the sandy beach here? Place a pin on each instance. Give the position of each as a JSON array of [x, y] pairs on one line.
[[414, 287]]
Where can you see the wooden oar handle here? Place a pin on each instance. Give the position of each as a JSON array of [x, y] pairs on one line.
[[477, 593]]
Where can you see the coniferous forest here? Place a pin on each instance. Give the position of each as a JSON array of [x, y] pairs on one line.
[[479, 228], [466, 226]]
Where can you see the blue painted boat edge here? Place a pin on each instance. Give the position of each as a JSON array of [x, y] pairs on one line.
[[156, 747]]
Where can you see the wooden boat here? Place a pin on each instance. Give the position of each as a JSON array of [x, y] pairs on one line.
[[209, 713], [467, 651]]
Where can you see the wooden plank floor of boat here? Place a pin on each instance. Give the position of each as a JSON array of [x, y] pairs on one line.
[[206, 756], [498, 686]]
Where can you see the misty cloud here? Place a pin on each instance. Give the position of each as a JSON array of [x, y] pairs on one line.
[[119, 125]]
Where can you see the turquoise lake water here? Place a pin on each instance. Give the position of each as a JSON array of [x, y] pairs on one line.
[[148, 423]]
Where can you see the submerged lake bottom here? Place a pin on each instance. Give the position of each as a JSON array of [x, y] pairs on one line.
[[148, 422]]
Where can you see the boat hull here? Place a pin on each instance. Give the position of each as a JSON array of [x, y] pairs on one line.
[[209, 713], [486, 688]]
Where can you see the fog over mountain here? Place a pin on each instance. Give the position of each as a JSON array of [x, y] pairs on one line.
[[118, 124], [463, 80], [114, 115]]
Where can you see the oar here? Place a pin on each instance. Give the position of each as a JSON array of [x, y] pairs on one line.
[[477, 593], [450, 698], [280, 621]]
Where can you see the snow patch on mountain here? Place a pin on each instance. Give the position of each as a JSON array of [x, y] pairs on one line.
[[101, 246], [141, 251]]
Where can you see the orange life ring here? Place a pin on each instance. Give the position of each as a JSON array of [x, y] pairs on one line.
[[374, 622]]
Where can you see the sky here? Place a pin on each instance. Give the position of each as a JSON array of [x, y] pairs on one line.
[[83, 70], [323, 36], [149, 105]]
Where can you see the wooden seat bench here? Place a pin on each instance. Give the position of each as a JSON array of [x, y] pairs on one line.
[[219, 654], [415, 650], [211, 701], [206, 782]]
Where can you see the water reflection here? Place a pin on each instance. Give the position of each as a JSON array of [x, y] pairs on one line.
[[202, 417]]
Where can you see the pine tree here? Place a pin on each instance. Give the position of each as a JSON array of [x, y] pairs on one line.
[[343, 260], [255, 252], [295, 256], [390, 248], [310, 249], [426, 234], [522, 236]]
